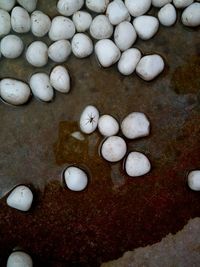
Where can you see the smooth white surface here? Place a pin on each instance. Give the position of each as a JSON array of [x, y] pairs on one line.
[[194, 180], [82, 45], [128, 61], [40, 23], [191, 15], [101, 28], [89, 119], [60, 79], [20, 198], [82, 20], [137, 7], [59, 51], [75, 178], [108, 125], [61, 28], [146, 26], [117, 12], [182, 3], [29, 5], [69, 7], [160, 3], [19, 259], [37, 54], [7, 5], [11, 46], [167, 15], [20, 20], [137, 164], [98, 6], [5, 22]]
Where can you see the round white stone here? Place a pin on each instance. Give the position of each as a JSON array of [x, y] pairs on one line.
[[11, 46], [108, 125], [167, 15], [149, 67], [160, 3], [41, 87], [76, 179], [194, 180], [135, 125], [40, 23], [137, 7], [89, 119], [37, 54], [107, 52], [82, 45], [113, 149], [29, 5], [128, 61], [137, 164], [61, 28], [59, 51], [98, 6], [20, 198], [5, 24], [7, 5], [101, 28], [60, 79], [20, 20], [14, 92], [191, 15], [182, 3], [117, 12], [69, 7], [146, 26], [124, 35], [82, 20], [19, 259]]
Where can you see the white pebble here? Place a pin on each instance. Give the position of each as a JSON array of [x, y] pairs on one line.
[[167, 15], [146, 26], [108, 125], [182, 3], [107, 52], [113, 149], [98, 6], [20, 20], [160, 3], [69, 7], [124, 35], [59, 51], [101, 28], [61, 28], [194, 180], [137, 164], [5, 24], [40, 23], [11, 46], [137, 7], [60, 79], [7, 4], [135, 125], [41, 87], [82, 20], [89, 119], [37, 54], [191, 15], [29, 5], [19, 259], [75, 178], [20, 198], [149, 67], [128, 61], [14, 92], [117, 12], [82, 45]]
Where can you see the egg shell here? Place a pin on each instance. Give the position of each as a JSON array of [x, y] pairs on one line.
[[11, 46], [59, 51], [108, 125], [7, 5], [82, 45], [89, 119], [98, 6], [167, 15], [137, 164], [20, 20], [29, 5], [117, 12], [101, 28], [75, 178], [61, 28], [137, 7], [5, 22], [82, 20], [40, 23], [60, 79], [146, 26], [182, 3], [194, 180], [160, 3], [37, 54], [129, 60], [191, 15], [69, 7], [19, 259]]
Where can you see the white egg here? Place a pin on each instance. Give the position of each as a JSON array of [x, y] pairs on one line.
[[75, 178], [60, 79], [137, 164], [98, 6], [20, 20], [7, 4], [19, 259], [89, 119], [59, 51], [194, 180], [40, 23], [5, 24], [108, 125], [29, 5], [14, 92], [124, 35], [167, 15], [107, 52], [137, 7], [160, 3], [149, 67], [182, 3], [146, 26], [20, 198], [41, 87], [69, 7], [82, 20], [113, 149], [61, 28], [135, 125], [117, 12], [37, 54], [128, 61], [101, 28], [82, 45], [191, 15], [11, 46]]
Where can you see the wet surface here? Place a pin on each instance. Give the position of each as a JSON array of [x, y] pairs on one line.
[[115, 213]]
